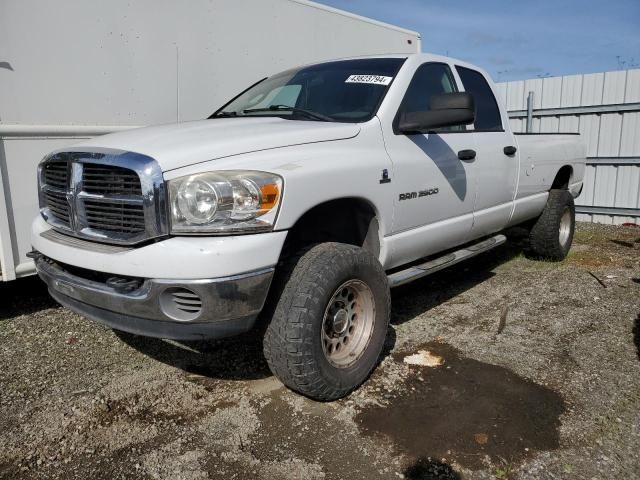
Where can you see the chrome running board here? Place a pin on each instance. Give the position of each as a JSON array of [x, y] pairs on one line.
[[422, 270]]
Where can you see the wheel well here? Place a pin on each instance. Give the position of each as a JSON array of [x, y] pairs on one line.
[[346, 220], [561, 182]]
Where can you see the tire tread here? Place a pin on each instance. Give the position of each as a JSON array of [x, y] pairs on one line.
[[287, 350], [543, 236]]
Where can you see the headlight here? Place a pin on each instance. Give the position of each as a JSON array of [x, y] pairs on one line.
[[224, 202]]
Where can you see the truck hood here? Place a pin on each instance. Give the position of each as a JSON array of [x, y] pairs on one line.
[[182, 144]]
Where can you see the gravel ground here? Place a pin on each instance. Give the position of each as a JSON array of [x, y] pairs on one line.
[[519, 369]]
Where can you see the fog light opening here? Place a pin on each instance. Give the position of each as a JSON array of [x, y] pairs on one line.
[[181, 304]]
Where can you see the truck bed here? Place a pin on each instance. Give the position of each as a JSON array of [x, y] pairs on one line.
[[541, 155]]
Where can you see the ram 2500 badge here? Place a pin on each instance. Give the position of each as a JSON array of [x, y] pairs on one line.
[[297, 206]]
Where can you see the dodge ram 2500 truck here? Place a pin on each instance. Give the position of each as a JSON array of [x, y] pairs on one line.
[[304, 199]]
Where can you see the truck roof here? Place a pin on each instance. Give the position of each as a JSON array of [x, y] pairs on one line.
[[417, 57]]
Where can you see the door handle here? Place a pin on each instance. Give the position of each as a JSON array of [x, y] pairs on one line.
[[510, 150], [467, 154]]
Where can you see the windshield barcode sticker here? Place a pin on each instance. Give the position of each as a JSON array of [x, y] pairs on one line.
[[373, 79]]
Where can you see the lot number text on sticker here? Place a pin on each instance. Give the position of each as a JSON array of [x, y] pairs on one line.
[[374, 79]]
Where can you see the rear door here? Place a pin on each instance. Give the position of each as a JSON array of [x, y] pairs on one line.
[[496, 166]]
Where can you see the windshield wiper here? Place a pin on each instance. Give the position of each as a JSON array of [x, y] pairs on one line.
[[226, 114], [287, 108]]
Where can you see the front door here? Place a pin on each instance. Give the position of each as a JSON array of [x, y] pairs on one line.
[[434, 189]]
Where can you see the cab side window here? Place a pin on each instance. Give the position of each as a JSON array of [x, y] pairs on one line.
[[487, 111], [430, 79]]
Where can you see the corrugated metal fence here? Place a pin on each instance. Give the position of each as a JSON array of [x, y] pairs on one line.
[[605, 109]]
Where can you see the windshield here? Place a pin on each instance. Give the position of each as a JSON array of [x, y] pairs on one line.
[[340, 91]]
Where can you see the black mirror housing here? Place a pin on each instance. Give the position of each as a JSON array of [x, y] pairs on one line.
[[447, 110]]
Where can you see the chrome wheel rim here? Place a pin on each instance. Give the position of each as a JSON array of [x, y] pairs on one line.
[[348, 323], [565, 227]]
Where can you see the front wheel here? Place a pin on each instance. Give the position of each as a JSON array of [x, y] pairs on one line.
[[330, 322], [552, 233]]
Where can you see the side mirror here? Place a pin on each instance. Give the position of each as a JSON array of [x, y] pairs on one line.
[[447, 110]]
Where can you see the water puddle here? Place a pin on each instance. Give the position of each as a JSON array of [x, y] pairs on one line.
[[464, 410]]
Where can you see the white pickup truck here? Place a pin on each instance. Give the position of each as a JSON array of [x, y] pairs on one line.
[[300, 202]]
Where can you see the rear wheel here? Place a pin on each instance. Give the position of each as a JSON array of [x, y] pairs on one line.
[[552, 234], [330, 322]]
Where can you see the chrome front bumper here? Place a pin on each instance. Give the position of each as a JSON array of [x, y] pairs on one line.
[[212, 308]]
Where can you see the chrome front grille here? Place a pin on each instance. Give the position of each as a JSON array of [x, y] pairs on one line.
[[114, 216], [106, 180], [112, 197], [58, 207], [56, 174]]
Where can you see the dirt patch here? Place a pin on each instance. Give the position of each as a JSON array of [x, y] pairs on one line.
[[607, 236], [636, 334], [467, 409], [24, 297], [320, 434], [605, 245], [429, 469], [235, 358]]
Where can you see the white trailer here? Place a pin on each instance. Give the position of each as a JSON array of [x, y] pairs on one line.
[[73, 69]]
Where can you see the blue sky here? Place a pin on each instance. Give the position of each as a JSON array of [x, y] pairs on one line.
[[518, 39]]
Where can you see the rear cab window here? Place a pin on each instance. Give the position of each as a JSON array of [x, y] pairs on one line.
[[487, 112]]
